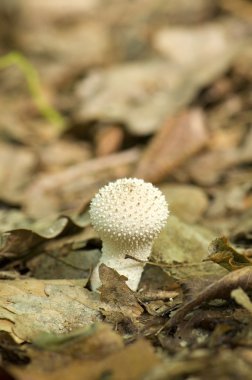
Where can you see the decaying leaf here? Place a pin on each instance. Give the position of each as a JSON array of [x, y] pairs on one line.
[[222, 253], [220, 289], [117, 294], [19, 243]]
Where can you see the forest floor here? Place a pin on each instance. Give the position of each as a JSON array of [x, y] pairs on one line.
[[92, 92]]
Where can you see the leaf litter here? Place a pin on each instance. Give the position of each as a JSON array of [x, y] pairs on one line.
[[157, 90]]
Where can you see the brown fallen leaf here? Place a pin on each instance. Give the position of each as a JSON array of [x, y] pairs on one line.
[[180, 138], [220, 289], [116, 293], [222, 253], [18, 244], [133, 362], [108, 139]]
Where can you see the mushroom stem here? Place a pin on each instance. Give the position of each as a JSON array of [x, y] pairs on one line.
[[114, 257]]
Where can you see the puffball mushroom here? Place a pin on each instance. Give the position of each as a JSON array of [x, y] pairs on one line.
[[128, 215]]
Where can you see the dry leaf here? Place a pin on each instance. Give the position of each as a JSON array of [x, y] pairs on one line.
[[177, 140], [181, 242], [117, 294], [56, 306], [177, 196], [207, 168], [108, 139], [133, 362], [242, 299], [222, 253], [18, 244], [196, 53], [220, 289], [95, 340], [17, 166], [74, 186]]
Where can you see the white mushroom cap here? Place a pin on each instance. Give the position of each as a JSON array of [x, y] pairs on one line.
[[129, 209], [128, 215]]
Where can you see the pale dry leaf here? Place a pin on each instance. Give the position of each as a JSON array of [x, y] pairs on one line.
[[181, 242], [143, 94], [196, 52], [242, 299], [139, 94], [56, 306]]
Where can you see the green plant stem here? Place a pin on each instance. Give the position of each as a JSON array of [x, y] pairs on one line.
[[35, 88]]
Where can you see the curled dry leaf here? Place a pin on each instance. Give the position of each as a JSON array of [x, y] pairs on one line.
[[222, 253], [242, 299], [17, 244], [220, 289], [180, 138]]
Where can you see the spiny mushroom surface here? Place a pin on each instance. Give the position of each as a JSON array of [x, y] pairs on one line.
[[128, 215]]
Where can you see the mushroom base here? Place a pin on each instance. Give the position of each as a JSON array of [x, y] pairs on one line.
[[127, 267], [113, 255]]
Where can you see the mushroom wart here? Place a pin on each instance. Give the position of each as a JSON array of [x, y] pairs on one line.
[[128, 215]]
